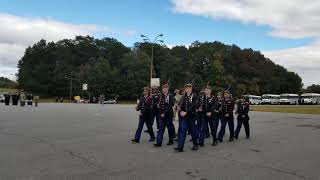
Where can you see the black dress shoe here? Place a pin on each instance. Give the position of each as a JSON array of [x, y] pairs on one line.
[[201, 145], [248, 137], [134, 141], [236, 137], [178, 149], [169, 143], [220, 141], [214, 143], [194, 148], [157, 145], [151, 139], [231, 139]]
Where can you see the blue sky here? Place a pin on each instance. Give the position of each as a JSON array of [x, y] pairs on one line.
[[150, 17], [288, 34]]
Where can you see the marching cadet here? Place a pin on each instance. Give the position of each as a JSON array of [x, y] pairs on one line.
[[226, 116], [243, 117], [155, 111], [218, 110], [178, 112], [177, 98], [187, 112], [165, 107], [144, 106], [209, 107], [199, 115]]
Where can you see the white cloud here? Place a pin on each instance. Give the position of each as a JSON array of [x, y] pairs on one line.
[[16, 33], [292, 19], [130, 33], [170, 46], [303, 60]]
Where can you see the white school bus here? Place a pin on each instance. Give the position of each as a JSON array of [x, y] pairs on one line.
[[310, 98], [289, 98], [270, 99]]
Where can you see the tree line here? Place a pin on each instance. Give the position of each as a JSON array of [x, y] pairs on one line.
[[7, 83], [111, 68]]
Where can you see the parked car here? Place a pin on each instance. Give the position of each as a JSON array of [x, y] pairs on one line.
[[110, 101]]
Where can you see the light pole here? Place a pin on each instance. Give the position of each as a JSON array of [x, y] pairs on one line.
[[146, 39]]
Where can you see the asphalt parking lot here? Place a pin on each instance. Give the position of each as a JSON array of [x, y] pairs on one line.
[[78, 141]]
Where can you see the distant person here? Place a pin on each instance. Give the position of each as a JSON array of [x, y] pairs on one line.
[[29, 99], [15, 99], [36, 100], [243, 117], [101, 99], [7, 99], [22, 99]]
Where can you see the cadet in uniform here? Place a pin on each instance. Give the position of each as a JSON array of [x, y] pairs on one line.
[[165, 107], [177, 98], [187, 112], [209, 107], [155, 110], [144, 106], [227, 116], [199, 115], [243, 117]]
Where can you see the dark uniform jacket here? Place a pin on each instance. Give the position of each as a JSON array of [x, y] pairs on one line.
[[209, 104], [199, 114], [243, 110], [144, 105], [166, 103], [227, 107], [218, 107], [155, 101], [189, 104]]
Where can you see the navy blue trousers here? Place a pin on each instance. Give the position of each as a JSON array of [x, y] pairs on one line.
[[163, 124], [224, 121], [245, 123], [213, 122], [185, 123], [144, 119], [155, 114]]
